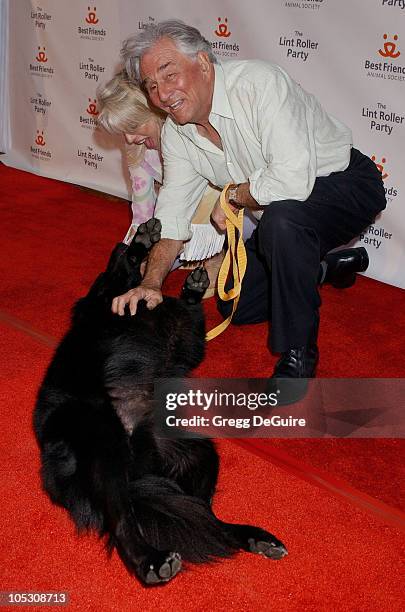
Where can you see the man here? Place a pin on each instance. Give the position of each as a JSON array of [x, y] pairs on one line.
[[292, 164]]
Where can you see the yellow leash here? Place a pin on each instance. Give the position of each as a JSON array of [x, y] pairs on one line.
[[235, 256]]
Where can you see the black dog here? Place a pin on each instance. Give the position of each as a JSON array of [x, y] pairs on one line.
[[102, 459]]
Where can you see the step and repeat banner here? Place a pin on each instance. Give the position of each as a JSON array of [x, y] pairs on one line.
[[349, 53]]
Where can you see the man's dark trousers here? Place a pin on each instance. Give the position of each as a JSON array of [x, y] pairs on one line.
[[292, 237]]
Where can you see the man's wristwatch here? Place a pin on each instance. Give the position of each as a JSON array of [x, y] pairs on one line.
[[233, 195]]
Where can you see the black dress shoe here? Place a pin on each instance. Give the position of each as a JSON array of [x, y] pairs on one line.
[[291, 374], [297, 363], [342, 266]]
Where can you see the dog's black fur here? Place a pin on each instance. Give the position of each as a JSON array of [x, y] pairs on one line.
[[102, 460]]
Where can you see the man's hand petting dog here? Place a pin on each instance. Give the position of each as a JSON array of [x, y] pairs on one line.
[[147, 235], [151, 295]]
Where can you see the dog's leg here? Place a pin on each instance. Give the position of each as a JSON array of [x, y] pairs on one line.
[[195, 286], [168, 520], [140, 537], [193, 465], [150, 565], [256, 540]]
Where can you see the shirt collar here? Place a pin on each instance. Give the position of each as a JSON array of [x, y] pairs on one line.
[[220, 102]]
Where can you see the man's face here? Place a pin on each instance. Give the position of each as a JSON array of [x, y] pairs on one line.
[[179, 86]]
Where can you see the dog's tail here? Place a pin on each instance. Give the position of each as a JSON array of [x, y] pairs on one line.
[[168, 519]]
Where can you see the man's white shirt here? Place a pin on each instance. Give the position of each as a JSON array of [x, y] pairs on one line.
[[273, 133]]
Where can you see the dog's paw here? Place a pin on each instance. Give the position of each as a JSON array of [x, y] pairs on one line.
[[162, 567], [148, 233], [272, 548], [197, 280], [195, 286]]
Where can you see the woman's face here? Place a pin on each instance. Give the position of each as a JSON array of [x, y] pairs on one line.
[[148, 134]]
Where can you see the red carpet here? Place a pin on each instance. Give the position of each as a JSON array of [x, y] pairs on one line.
[[335, 503]]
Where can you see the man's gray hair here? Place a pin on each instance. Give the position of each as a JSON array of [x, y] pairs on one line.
[[187, 39]]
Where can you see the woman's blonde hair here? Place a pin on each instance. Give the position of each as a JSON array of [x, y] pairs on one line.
[[122, 109]]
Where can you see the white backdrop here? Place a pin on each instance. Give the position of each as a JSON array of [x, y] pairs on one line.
[[349, 53]]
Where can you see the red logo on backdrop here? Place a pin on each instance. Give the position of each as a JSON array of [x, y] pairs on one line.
[[41, 57], [39, 140], [380, 167], [92, 107], [91, 16], [390, 48], [222, 29]]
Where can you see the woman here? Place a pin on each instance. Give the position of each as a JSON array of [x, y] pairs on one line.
[[124, 110]]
